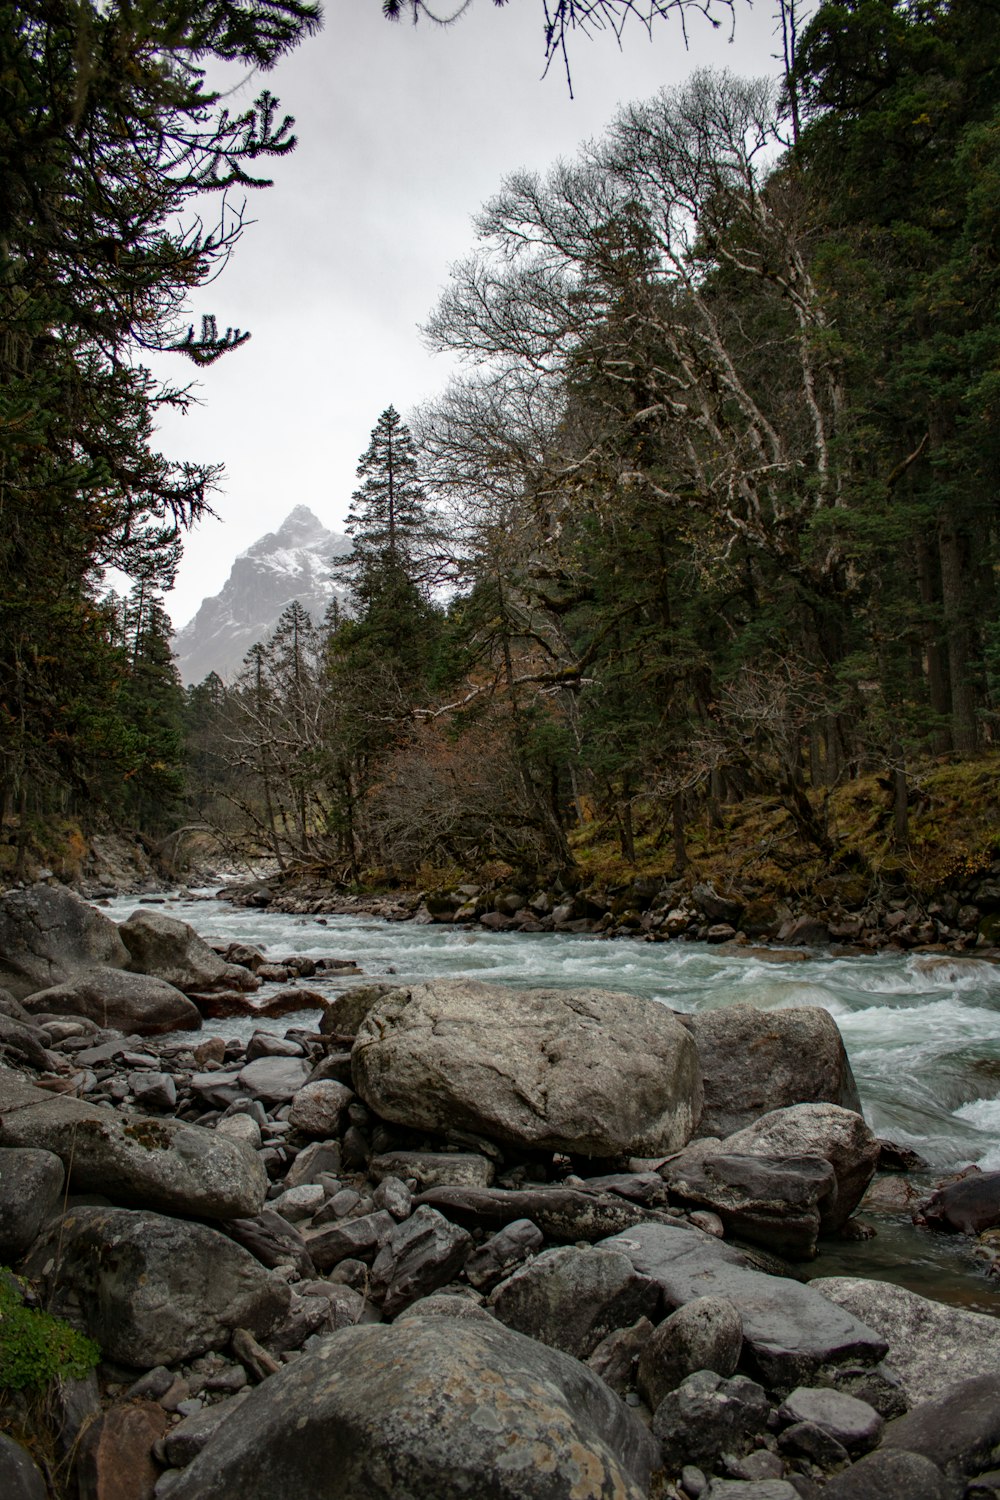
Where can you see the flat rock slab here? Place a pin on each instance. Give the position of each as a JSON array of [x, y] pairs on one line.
[[439, 1408], [154, 1290], [132, 1003], [590, 1072], [931, 1346], [790, 1330], [134, 1160], [563, 1214]]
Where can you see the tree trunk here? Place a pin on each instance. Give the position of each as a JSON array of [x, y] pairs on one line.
[[934, 656], [964, 728]]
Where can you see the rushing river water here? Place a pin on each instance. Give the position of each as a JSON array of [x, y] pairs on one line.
[[922, 1031]]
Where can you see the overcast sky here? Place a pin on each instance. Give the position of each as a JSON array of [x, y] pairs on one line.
[[404, 132]]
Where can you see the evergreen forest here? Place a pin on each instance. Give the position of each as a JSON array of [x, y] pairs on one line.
[[708, 520]]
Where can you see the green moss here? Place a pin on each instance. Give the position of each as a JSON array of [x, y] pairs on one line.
[[36, 1348]]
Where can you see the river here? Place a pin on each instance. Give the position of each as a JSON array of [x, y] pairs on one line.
[[922, 1032]]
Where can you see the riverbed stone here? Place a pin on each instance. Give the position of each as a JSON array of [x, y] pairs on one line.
[[889, 1474], [151, 1289], [419, 1256], [502, 1253], [565, 1215], [571, 1298], [932, 1346], [434, 1168], [20, 1476], [774, 1201], [22, 1042], [274, 1080], [789, 1329], [31, 1186], [438, 1408], [854, 1424], [967, 1206], [586, 1071], [171, 950], [344, 1014], [47, 935], [354, 1239], [704, 1334], [958, 1431], [707, 1416], [839, 1136], [318, 1108], [135, 1160], [115, 1454], [132, 1003], [754, 1061]]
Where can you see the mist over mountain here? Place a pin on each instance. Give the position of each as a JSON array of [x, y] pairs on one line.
[[293, 562]]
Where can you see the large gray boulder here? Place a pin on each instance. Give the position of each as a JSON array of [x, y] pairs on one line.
[[932, 1346], [136, 1004], [958, 1431], [134, 1160], [171, 950], [47, 935], [590, 1072], [571, 1298], [789, 1330], [154, 1290], [433, 1408], [754, 1061]]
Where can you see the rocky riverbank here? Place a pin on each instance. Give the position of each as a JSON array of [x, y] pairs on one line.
[[458, 1240], [963, 919]]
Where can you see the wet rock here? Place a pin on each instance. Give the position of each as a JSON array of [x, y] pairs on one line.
[[435, 1168], [565, 1215], [588, 1072], [967, 1206], [132, 1159], [47, 935], [115, 1457], [154, 1290], [503, 1253], [31, 1185], [838, 1136], [705, 1334], [437, 1408], [131, 1003], [318, 1108], [754, 1061], [707, 1416], [932, 1346], [572, 1298], [790, 1331], [420, 1255], [171, 950]]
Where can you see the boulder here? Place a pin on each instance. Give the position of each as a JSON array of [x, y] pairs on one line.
[[839, 1136], [789, 1330], [889, 1474], [707, 1416], [589, 1072], [754, 1061], [134, 1160], [772, 1201], [23, 1044], [171, 950], [502, 1253], [344, 1013], [154, 1290], [967, 1206], [318, 1108], [571, 1298], [115, 1455], [274, 1080], [47, 935], [135, 1004], [706, 1334], [31, 1185], [932, 1346], [434, 1408], [852, 1423]]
